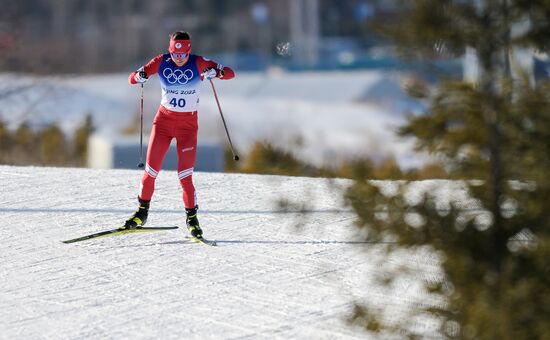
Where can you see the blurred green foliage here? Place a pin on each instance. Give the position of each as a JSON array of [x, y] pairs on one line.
[[494, 136], [45, 146], [265, 158]]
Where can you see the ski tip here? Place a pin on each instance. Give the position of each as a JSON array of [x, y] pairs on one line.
[[202, 241]]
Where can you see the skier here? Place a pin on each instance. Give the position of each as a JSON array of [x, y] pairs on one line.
[[180, 74]]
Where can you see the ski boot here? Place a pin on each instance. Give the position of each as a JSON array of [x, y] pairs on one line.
[[139, 218], [193, 222]]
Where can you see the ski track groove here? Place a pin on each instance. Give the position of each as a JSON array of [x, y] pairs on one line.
[[265, 279]]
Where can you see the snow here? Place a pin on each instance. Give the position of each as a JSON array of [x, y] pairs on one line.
[[336, 115], [275, 274]]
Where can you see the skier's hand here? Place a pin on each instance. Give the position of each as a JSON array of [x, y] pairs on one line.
[[209, 73], [140, 77]]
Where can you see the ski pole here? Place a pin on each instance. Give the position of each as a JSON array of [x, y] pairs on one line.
[[235, 156], [140, 164]]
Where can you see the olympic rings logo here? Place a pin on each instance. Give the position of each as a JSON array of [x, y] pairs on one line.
[[179, 76]]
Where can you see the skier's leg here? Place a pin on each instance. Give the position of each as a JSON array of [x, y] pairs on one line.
[[159, 142], [186, 137], [187, 152]]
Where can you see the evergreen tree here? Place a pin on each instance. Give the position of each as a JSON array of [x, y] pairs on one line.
[[81, 136], [5, 142], [266, 158], [494, 135], [24, 150], [53, 146]]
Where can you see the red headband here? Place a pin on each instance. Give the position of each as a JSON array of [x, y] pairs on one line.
[[180, 46]]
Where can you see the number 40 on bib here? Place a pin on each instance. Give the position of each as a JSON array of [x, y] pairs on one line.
[[177, 102]]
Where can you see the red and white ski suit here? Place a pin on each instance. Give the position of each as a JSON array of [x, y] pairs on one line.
[[176, 118]]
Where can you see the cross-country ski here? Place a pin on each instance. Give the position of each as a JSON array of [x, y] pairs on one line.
[[118, 231]]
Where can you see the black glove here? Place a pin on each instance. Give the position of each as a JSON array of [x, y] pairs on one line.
[[141, 77]]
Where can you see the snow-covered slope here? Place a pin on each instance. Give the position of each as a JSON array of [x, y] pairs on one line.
[[274, 274]]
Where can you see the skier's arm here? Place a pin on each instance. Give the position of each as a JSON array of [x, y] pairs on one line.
[[222, 72], [150, 68]]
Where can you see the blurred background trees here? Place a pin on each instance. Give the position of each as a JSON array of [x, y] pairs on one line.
[[47, 145], [265, 158], [492, 133], [106, 36]]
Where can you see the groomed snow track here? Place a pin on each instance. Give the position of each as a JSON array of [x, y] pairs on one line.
[[275, 274]]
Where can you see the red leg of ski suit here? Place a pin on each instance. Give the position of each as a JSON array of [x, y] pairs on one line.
[[168, 125]]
